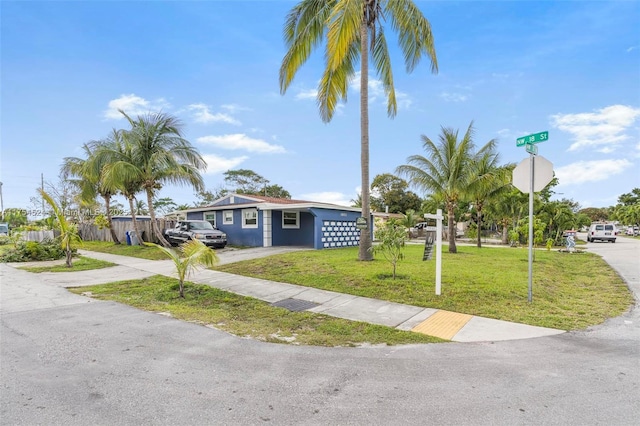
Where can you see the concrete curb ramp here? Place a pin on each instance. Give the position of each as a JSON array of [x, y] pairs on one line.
[[447, 325]]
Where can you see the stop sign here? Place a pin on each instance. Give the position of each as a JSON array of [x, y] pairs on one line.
[[542, 174]]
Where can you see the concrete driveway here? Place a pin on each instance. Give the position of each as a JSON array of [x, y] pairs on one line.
[[78, 361]]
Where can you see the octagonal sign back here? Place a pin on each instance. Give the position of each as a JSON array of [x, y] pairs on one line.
[[542, 174]]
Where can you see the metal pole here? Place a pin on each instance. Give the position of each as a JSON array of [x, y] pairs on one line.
[[1, 203], [438, 251], [532, 163], [42, 187]]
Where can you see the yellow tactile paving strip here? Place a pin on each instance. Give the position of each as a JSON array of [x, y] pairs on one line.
[[443, 324]]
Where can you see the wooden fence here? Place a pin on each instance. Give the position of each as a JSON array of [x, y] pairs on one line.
[[90, 232]]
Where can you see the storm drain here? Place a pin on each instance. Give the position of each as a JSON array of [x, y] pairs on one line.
[[295, 305]]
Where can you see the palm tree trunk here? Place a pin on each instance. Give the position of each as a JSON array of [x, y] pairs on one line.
[[154, 225], [364, 252], [135, 222], [107, 205], [505, 231], [452, 231], [479, 209], [69, 256]]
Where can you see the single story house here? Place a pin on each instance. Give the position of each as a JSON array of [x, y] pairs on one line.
[[258, 221]]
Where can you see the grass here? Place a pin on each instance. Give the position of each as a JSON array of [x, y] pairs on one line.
[[142, 252], [570, 291], [80, 264], [245, 316]]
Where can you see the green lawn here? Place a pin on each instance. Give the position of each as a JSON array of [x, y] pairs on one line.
[[78, 264], [245, 316], [142, 252], [568, 294]]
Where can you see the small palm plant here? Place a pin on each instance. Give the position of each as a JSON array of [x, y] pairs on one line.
[[192, 254], [69, 235], [392, 237]]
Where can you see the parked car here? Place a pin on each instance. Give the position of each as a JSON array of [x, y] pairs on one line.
[[602, 232], [201, 230]]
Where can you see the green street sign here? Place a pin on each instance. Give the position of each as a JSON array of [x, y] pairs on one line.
[[532, 149], [534, 138]]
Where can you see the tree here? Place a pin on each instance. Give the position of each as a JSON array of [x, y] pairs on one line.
[[164, 205], [193, 254], [276, 191], [15, 217], [393, 194], [354, 30], [245, 181], [488, 181], [444, 170], [392, 237], [68, 231], [596, 214], [508, 210], [87, 175], [112, 155], [206, 198], [160, 155], [630, 198]]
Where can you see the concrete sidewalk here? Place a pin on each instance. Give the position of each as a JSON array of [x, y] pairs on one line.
[[444, 324]]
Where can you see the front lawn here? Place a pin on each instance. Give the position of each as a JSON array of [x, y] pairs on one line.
[[79, 264], [142, 252], [245, 316], [489, 282]]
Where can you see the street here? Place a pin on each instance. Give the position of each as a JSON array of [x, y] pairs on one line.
[[67, 359]]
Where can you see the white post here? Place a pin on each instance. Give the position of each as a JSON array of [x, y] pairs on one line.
[[438, 217], [438, 251], [531, 174]]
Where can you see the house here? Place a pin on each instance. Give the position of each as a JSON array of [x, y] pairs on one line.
[[258, 221]]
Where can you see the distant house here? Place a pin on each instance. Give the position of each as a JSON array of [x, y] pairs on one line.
[[257, 221]]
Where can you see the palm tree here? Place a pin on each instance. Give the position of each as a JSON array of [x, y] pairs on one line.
[[116, 155], [354, 30], [160, 155], [193, 254], [68, 231], [444, 171], [488, 181], [89, 179]]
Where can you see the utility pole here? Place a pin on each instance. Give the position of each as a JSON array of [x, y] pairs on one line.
[[1, 203]]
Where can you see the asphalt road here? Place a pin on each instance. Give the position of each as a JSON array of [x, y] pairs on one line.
[[69, 360]]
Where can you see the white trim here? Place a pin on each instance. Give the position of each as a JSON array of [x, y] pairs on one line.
[[204, 217], [267, 234], [289, 226], [224, 217], [245, 225]]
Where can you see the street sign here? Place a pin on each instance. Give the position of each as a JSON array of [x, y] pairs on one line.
[[534, 138], [542, 174], [361, 223], [531, 149]]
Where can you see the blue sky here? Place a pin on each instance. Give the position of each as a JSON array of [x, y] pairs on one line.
[[513, 67]]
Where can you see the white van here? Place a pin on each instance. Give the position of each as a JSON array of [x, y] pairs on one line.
[[602, 232]]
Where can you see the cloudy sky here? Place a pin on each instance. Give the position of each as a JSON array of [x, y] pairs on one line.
[[512, 67]]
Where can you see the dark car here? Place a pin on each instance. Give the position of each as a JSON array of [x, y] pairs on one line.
[[201, 230]]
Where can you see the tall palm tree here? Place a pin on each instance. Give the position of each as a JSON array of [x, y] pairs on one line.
[[114, 156], [160, 155], [354, 30], [488, 181], [88, 176], [444, 170]]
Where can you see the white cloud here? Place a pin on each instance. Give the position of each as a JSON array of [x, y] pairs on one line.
[[632, 48], [241, 141], [453, 97], [376, 91], [133, 105], [203, 115], [590, 171], [503, 133], [216, 164], [232, 108], [606, 126], [307, 94], [327, 197]]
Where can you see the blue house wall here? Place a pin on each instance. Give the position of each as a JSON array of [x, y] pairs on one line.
[[335, 228], [292, 237]]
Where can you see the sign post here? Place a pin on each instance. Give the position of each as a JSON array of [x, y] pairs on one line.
[[540, 173], [438, 217]]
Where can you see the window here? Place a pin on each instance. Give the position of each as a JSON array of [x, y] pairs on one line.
[[250, 218], [291, 220], [227, 217], [211, 218]]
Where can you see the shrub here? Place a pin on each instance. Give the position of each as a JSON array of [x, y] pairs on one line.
[[27, 251]]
